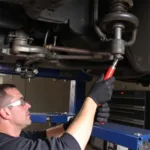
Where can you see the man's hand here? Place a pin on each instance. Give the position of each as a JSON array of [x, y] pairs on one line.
[[102, 114], [102, 90]]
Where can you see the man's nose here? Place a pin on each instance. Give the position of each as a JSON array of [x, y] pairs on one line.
[[28, 105]]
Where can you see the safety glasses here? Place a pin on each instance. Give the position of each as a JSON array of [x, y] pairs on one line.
[[19, 102]]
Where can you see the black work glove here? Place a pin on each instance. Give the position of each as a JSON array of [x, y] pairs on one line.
[[101, 91], [102, 114], [67, 124]]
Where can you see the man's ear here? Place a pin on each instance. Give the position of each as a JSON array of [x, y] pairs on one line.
[[5, 113]]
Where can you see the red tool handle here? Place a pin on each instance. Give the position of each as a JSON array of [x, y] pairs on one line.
[[109, 74]]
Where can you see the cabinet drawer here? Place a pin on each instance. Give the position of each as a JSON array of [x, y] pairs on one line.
[[133, 114], [130, 101]]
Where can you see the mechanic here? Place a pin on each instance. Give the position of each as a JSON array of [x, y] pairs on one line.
[[73, 135]]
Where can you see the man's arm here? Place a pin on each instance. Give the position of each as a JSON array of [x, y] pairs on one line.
[[81, 127], [78, 132], [83, 121], [57, 131]]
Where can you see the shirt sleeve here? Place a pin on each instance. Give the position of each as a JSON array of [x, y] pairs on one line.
[[34, 135], [66, 142]]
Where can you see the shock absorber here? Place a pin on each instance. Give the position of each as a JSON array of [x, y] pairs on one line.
[[118, 22]]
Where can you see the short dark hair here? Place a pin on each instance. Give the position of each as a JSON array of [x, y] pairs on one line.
[[4, 97], [3, 87]]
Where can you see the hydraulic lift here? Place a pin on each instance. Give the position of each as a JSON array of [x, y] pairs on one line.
[[130, 137]]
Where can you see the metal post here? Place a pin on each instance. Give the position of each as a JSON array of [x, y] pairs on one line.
[[118, 33], [72, 98], [77, 96]]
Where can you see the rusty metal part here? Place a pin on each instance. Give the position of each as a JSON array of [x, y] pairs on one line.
[[120, 5], [75, 50], [21, 46], [78, 57], [34, 58], [64, 57], [69, 50], [130, 21], [31, 61], [31, 56], [37, 49], [27, 49], [36, 53], [99, 32], [133, 39]]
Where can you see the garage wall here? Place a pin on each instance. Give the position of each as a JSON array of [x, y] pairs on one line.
[[49, 95], [45, 95]]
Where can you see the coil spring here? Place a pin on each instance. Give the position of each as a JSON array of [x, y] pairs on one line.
[[118, 5]]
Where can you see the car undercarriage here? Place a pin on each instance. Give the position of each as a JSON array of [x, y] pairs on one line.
[[76, 35]]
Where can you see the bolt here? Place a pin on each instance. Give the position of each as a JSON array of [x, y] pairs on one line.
[[18, 69], [6, 51], [137, 134], [111, 57], [35, 71], [119, 56]]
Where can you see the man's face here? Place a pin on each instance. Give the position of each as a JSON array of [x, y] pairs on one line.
[[20, 115]]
